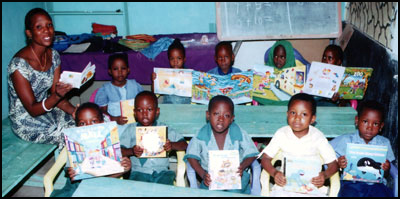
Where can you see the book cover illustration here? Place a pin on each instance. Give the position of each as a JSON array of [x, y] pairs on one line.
[[237, 86], [77, 79], [94, 150], [364, 162], [152, 139], [173, 81], [323, 79], [127, 107], [278, 85], [299, 171], [354, 83], [223, 167]]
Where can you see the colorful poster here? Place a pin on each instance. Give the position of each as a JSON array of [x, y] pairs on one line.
[[152, 139], [299, 171], [354, 83], [278, 85], [77, 79], [323, 79], [223, 167], [237, 86], [127, 107], [94, 150], [364, 162], [173, 81]]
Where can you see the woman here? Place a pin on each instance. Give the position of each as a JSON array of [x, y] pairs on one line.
[[38, 109]]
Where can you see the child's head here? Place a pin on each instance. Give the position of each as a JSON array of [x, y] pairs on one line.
[[146, 108], [220, 113], [176, 54], [118, 66], [35, 21], [279, 56], [333, 54], [87, 114], [224, 56], [302, 109], [369, 119]]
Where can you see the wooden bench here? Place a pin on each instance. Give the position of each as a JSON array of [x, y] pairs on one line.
[[19, 157], [258, 121]]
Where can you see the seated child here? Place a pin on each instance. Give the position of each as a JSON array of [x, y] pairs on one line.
[[281, 55], [333, 54], [221, 133], [369, 122], [86, 114], [108, 96], [224, 57], [299, 138], [149, 169], [177, 59]]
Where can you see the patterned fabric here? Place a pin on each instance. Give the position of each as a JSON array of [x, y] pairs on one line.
[[46, 128]]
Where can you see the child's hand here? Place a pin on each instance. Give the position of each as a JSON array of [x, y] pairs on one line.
[[126, 163], [386, 166], [71, 173], [342, 161], [167, 146], [62, 89], [137, 150], [240, 170], [207, 179], [335, 97], [279, 178], [319, 180], [153, 76], [120, 120]]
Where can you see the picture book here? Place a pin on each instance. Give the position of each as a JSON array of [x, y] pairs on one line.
[[77, 79], [173, 81], [223, 166], [364, 162], [94, 150], [354, 83], [127, 107], [299, 170], [152, 139], [323, 79], [278, 85], [237, 86]]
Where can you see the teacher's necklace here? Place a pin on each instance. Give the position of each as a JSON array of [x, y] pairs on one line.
[[45, 59]]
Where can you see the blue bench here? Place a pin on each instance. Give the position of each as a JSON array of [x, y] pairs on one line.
[[19, 158]]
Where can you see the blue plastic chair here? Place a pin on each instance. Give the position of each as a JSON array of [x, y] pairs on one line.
[[255, 178]]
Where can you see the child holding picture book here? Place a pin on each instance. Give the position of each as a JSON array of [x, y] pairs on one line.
[[87, 114], [177, 59], [369, 122], [149, 169], [299, 139], [108, 96], [221, 133]]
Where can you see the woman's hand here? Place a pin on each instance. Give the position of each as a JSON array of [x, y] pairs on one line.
[[62, 89]]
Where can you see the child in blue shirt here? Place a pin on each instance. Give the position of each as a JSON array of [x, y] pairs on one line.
[[369, 122], [221, 133], [86, 114], [224, 57], [149, 169], [177, 59], [108, 96]]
